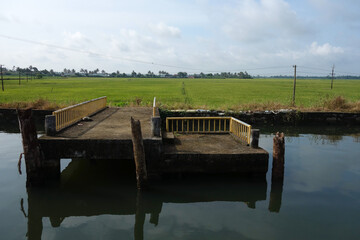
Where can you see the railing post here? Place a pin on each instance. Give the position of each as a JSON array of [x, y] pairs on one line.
[[154, 107], [155, 126], [50, 125]]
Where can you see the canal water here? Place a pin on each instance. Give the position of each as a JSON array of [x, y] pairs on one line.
[[319, 198]]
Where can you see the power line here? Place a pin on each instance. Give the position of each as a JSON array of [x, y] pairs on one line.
[[94, 53], [129, 59]]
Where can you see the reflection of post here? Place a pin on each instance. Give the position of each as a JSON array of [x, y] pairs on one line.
[[276, 195], [33, 156], [139, 153], [139, 217], [277, 176], [35, 225]]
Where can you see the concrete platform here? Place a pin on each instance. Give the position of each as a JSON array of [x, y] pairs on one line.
[[111, 123], [213, 153], [107, 136]]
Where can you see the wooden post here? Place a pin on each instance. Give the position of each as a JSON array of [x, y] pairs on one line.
[[139, 153], [33, 155], [2, 79], [255, 134], [278, 156], [293, 98], [277, 178]]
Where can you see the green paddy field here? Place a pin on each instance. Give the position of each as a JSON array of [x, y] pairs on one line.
[[224, 94]]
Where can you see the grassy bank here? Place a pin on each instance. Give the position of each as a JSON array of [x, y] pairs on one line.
[[225, 94]]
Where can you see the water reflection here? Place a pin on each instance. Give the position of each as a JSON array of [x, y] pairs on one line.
[[98, 187], [317, 135]]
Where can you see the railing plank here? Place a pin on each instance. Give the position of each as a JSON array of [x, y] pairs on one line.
[[239, 128], [70, 115]]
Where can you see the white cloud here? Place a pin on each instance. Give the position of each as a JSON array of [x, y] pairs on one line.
[[164, 30], [325, 49], [251, 21], [76, 39]]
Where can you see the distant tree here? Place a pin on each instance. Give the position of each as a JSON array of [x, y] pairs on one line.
[[133, 74], [182, 74]]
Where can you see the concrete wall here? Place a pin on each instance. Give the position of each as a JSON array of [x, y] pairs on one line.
[[285, 117]]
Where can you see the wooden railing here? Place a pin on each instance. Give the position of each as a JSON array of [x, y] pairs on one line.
[[240, 129], [209, 125], [72, 114]]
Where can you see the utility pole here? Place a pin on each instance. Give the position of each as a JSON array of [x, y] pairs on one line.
[[293, 99], [19, 76], [332, 76], [2, 79]]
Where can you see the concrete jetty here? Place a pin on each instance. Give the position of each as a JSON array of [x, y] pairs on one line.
[[107, 135]]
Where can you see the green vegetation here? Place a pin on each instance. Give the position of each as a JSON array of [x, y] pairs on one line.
[[226, 94]]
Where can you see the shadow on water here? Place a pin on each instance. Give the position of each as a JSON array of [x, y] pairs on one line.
[[92, 188]]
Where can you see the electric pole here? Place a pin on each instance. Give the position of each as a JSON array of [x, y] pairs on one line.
[[2, 79], [332, 76], [293, 99]]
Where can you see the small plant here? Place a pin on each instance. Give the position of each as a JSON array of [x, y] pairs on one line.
[[138, 101]]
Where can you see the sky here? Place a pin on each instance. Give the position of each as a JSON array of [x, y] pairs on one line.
[[265, 37]]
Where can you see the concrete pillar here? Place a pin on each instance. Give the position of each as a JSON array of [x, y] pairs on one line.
[[255, 134], [155, 126], [50, 125]]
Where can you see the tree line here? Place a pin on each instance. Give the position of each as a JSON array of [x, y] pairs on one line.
[[34, 72]]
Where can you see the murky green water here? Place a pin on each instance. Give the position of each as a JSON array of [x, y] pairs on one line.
[[320, 197]]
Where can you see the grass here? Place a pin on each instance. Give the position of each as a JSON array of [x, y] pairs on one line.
[[224, 94]]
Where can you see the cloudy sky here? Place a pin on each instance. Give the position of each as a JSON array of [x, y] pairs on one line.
[[259, 36]]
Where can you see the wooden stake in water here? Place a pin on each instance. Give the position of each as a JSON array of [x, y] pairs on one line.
[[278, 156], [139, 154], [32, 153]]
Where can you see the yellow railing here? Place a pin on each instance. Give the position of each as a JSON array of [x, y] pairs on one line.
[[209, 125], [240, 129], [72, 114]]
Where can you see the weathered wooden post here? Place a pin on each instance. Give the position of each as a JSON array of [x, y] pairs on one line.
[[278, 156], [32, 152], [139, 154], [277, 178], [255, 134]]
